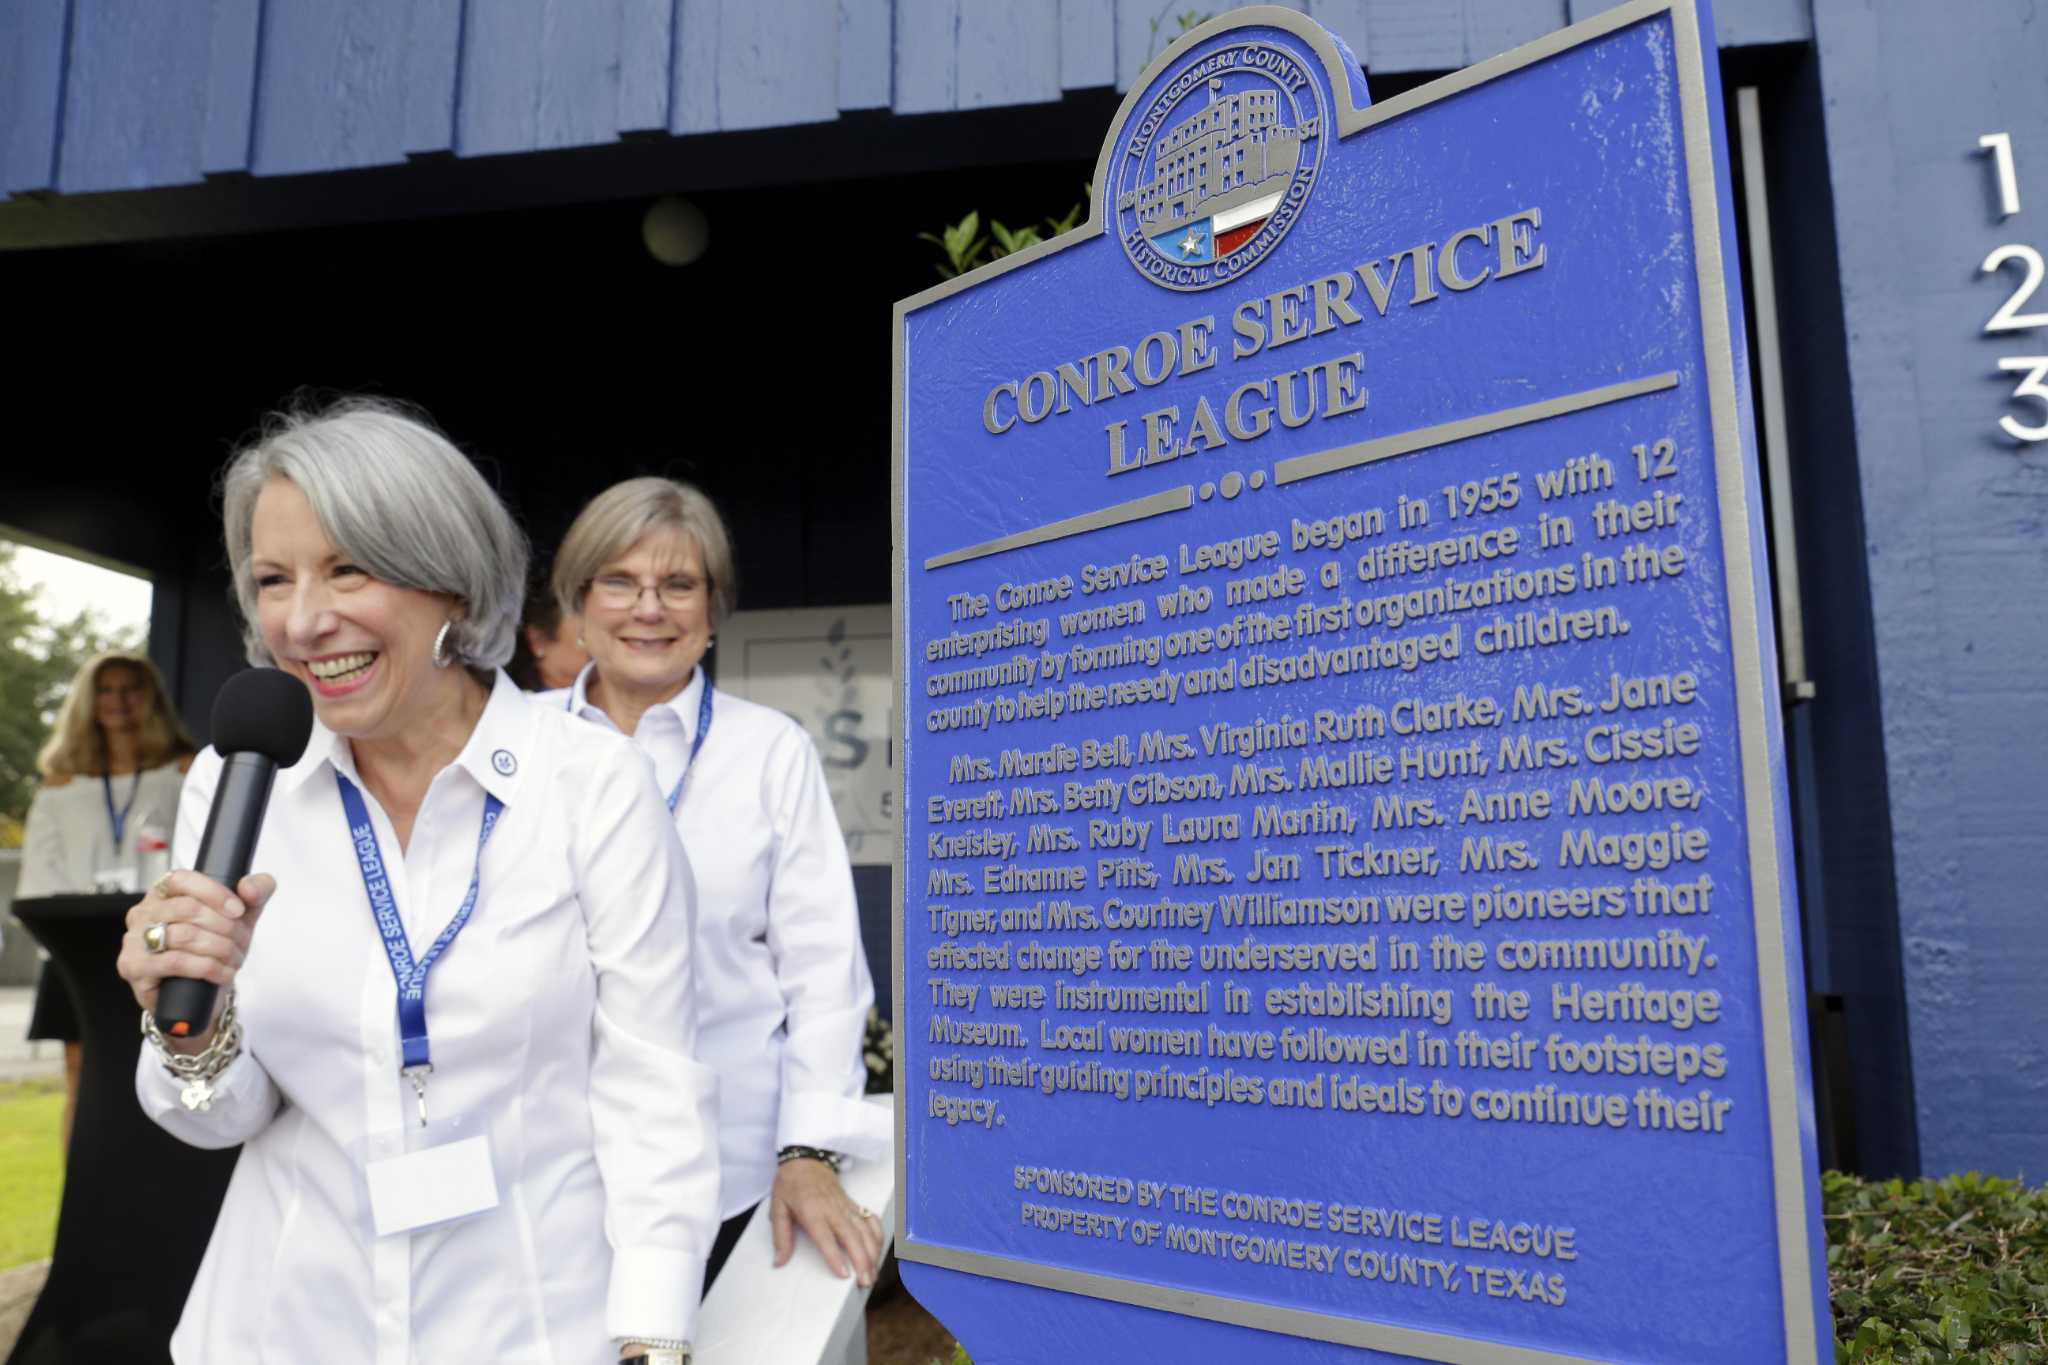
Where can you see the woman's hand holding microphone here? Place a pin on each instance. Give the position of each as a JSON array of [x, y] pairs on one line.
[[189, 925]]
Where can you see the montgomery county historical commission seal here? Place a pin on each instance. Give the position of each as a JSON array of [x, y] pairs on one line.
[[1218, 165]]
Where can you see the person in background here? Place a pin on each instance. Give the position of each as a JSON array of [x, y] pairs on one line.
[[512, 1157], [111, 771], [783, 986], [548, 652]]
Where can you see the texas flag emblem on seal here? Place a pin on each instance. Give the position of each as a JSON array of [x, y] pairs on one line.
[[1218, 165]]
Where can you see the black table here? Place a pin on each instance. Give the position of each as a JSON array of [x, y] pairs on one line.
[[138, 1204]]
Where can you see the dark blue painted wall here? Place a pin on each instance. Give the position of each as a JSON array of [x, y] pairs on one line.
[[110, 95], [1954, 520]]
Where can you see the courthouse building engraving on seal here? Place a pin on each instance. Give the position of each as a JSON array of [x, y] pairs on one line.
[[1219, 165]]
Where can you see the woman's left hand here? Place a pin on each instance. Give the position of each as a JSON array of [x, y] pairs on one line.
[[807, 1195]]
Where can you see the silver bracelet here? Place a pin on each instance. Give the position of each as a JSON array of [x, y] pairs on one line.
[[659, 1344], [198, 1070]]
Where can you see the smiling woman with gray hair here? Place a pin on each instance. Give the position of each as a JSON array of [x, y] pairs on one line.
[[460, 1051]]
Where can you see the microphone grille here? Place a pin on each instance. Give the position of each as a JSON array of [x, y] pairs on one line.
[[263, 711]]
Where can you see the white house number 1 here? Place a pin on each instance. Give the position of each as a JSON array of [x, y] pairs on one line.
[[2011, 315]]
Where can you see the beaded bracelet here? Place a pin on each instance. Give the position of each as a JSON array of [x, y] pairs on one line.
[[796, 1152]]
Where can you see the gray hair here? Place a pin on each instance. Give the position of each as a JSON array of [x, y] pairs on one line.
[[625, 514], [397, 497]]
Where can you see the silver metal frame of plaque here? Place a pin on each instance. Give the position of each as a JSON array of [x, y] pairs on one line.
[[1752, 697]]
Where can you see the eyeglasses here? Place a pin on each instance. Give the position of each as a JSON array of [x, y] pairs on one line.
[[621, 591]]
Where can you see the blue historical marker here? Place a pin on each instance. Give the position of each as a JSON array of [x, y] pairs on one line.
[[1346, 910]]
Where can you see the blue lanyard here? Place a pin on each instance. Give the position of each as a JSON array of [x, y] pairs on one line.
[[118, 821], [411, 976], [675, 794]]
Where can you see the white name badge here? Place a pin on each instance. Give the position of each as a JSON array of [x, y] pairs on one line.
[[431, 1184]]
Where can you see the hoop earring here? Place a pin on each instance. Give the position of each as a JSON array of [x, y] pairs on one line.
[[443, 656]]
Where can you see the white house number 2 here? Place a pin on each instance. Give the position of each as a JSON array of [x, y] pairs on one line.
[[2012, 315]]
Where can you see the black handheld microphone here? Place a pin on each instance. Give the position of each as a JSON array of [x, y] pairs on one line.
[[262, 719]]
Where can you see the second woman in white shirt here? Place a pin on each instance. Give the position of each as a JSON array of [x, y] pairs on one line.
[[783, 985]]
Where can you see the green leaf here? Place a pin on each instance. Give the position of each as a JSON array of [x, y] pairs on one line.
[[963, 232], [1009, 242], [1955, 1330], [961, 243]]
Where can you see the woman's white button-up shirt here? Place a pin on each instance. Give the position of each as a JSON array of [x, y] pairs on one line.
[[562, 1016], [782, 982]]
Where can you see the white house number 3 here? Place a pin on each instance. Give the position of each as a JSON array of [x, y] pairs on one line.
[[2012, 315]]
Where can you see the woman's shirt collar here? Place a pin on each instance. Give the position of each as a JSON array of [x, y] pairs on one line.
[[684, 703], [495, 754]]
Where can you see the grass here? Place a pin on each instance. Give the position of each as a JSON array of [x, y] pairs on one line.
[[31, 1169]]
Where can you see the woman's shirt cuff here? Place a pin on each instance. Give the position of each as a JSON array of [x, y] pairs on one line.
[[654, 1293], [836, 1123], [244, 1101]]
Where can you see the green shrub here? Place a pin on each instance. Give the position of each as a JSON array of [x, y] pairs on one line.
[[964, 245], [1938, 1272]]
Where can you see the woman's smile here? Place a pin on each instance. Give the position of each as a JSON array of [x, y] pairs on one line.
[[337, 675]]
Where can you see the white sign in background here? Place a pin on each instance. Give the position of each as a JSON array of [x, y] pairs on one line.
[[828, 669]]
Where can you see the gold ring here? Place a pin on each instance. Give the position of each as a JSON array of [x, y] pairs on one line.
[[156, 937], [865, 1212], [161, 887]]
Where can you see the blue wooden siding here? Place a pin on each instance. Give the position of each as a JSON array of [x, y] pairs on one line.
[[33, 42], [237, 27], [99, 95], [332, 85]]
